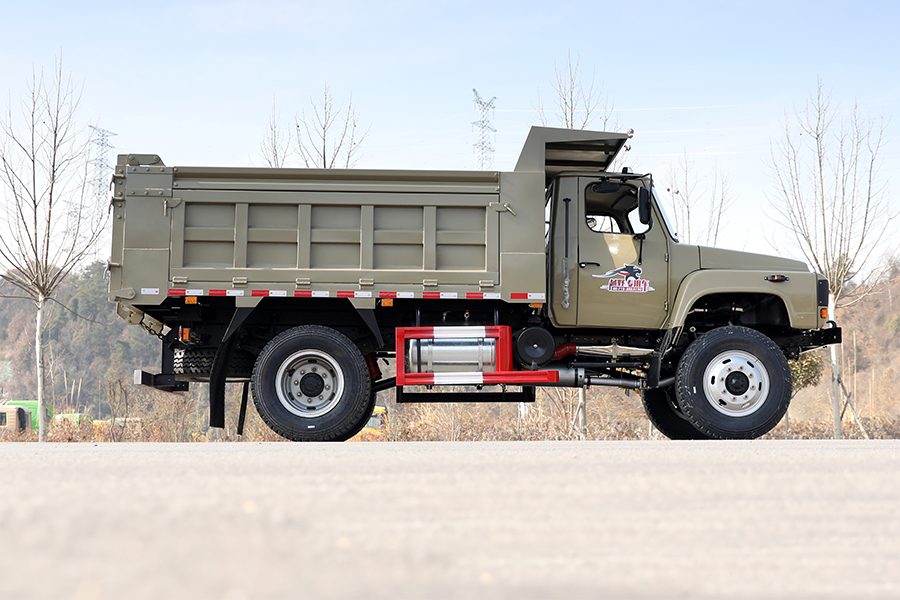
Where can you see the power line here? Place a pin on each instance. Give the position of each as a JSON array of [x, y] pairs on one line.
[[483, 149]]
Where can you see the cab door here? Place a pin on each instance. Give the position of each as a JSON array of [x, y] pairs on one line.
[[622, 264]]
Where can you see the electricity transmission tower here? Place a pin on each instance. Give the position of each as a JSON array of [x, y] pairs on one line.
[[483, 149], [101, 171]]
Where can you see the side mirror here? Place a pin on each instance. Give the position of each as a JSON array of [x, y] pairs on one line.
[[644, 212]]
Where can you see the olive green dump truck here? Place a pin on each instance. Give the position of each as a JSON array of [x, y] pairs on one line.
[[478, 286]]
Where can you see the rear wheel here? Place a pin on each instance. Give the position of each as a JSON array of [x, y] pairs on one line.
[[663, 412], [733, 383], [311, 383]]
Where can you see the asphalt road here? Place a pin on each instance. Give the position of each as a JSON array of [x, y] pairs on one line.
[[760, 519]]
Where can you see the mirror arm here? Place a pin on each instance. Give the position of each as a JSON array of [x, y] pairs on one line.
[[641, 237]]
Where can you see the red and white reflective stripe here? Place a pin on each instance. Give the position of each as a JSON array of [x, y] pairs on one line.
[[481, 378], [350, 294], [458, 378], [311, 294], [528, 296], [445, 378], [451, 333], [269, 293]]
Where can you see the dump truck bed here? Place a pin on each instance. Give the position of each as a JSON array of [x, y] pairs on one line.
[[325, 233]]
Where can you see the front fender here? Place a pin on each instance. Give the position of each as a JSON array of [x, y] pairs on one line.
[[798, 293]]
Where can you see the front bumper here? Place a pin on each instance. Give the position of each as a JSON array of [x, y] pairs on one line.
[[815, 338]]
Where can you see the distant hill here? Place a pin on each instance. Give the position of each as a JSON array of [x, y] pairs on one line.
[[86, 343]]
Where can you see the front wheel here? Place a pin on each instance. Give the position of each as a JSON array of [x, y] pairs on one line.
[[733, 383], [311, 383]]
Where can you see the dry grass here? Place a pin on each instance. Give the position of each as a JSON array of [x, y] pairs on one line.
[[144, 415]]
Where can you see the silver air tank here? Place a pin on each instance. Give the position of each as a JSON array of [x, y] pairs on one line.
[[455, 355]]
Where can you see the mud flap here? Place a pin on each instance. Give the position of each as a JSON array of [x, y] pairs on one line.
[[217, 382], [243, 415], [219, 370]]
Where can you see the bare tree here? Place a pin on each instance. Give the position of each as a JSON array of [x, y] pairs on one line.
[[275, 148], [832, 200], [49, 221], [331, 137], [577, 103], [720, 201], [697, 212]]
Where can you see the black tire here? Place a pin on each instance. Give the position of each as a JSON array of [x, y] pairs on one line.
[[733, 383], [199, 363], [311, 384], [663, 412]]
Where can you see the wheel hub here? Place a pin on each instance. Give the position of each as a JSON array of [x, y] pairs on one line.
[[736, 383], [312, 384], [309, 383]]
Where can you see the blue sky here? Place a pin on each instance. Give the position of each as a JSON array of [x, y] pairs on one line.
[[195, 81]]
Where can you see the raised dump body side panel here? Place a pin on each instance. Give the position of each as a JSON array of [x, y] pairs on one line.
[[243, 232]]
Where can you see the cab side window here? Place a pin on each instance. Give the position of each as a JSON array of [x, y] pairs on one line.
[[602, 223], [611, 207]]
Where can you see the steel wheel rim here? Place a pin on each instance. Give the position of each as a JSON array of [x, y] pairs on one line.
[[309, 383], [736, 383]]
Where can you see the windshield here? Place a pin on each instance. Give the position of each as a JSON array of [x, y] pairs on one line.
[[665, 217]]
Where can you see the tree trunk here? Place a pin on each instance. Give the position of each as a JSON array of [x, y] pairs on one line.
[[39, 363], [581, 413], [835, 375]]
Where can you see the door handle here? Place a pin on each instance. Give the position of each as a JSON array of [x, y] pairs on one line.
[[585, 264]]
